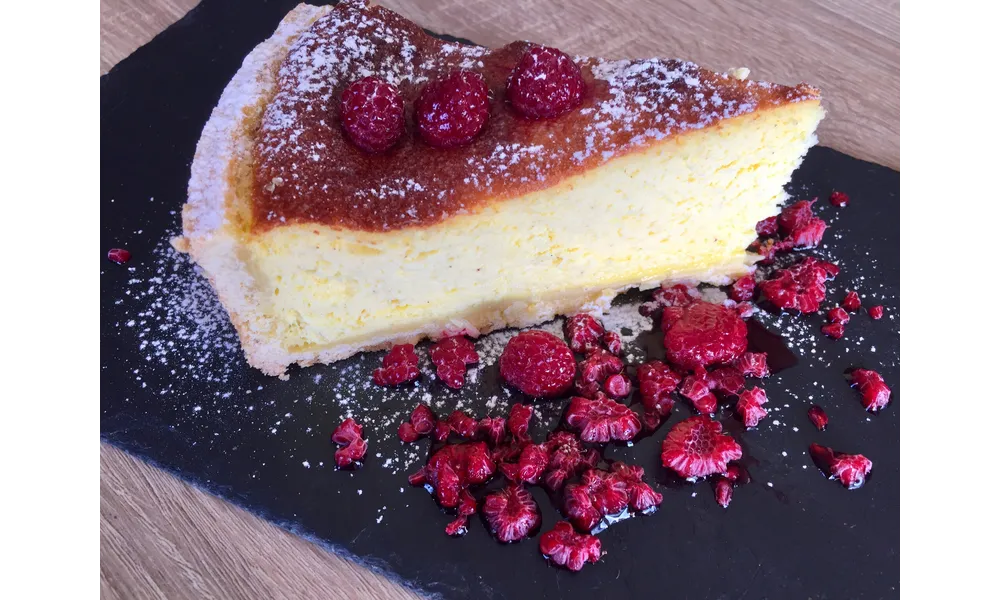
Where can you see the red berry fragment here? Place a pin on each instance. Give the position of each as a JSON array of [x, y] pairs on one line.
[[728, 380], [567, 458], [463, 425], [876, 312], [602, 419], [119, 255], [598, 494], [492, 430], [518, 421], [737, 474], [407, 433], [546, 83], [453, 468], [511, 513], [538, 364], [531, 464], [371, 112], [594, 370], [801, 286], [874, 392], [641, 497], [750, 406], [818, 416], [452, 110], [466, 507], [795, 216], [349, 436], [850, 469], [723, 492], [839, 199], [698, 390], [618, 386], [613, 342], [583, 332], [450, 356], [753, 364], [851, 301], [833, 330], [702, 334], [768, 226], [838, 315], [421, 423], [742, 289], [399, 366], [697, 447], [656, 384], [675, 295], [567, 548]]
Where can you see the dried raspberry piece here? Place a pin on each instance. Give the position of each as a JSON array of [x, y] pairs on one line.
[[876, 312], [602, 419], [618, 386], [598, 494], [742, 289], [492, 430], [768, 226], [753, 364], [851, 301], [546, 83], [423, 419], [723, 492], [750, 406], [119, 255], [530, 466], [453, 468], [703, 334], [538, 364], [838, 315], [463, 425], [452, 110], [696, 447], [656, 384], [697, 389], [833, 330], [518, 421], [675, 295], [641, 497], [818, 416], [839, 199], [565, 547], [399, 366], [349, 436], [371, 112], [874, 392], [613, 342], [850, 469], [567, 458], [511, 513], [450, 356], [583, 332], [801, 286]]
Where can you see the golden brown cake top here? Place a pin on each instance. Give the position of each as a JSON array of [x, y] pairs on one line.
[[307, 170]]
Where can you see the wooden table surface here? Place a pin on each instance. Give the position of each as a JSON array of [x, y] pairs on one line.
[[161, 538]]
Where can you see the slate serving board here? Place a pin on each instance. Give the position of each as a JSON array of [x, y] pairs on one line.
[[176, 392]]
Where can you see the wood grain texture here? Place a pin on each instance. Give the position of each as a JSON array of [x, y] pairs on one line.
[[161, 538]]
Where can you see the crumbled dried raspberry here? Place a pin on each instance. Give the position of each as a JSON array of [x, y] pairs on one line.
[[450, 111], [518, 421], [728, 380], [613, 342], [511, 513], [371, 112], [453, 468], [567, 548], [697, 447], [851, 301], [656, 384], [538, 364], [850, 469], [750, 406], [876, 312], [674, 295], [598, 494], [838, 315], [119, 255], [641, 497], [463, 425], [703, 334], [753, 364], [742, 288], [492, 430], [697, 389], [818, 416], [450, 356], [618, 386], [768, 226], [833, 330], [349, 436], [546, 83], [583, 332], [602, 419], [801, 286], [399, 366], [530, 466], [723, 492], [567, 458], [874, 392], [839, 199]]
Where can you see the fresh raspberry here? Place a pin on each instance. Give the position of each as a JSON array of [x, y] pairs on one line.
[[696, 447], [801, 286], [742, 288], [598, 494], [807, 235], [818, 416], [833, 330], [567, 548], [656, 384], [399, 366], [698, 390], [466, 508], [450, 356], [602, 419], [511, 513], [371, 112], [851, 301], [768, 226], [538, 364], [641, 497], [441, 430], [423, 419], [613, 342], [346, 432], [618, 386], [407, 434], [737, 474], [508, 451], [518, 421], [546, 83], [753, 364], [676, 295], [453, 468], [839, 199], [703, 334], [530, 466], [492, 430], [876, 312], [452, 110], [598, 366], [795, 216], [874, 392], [750, 406], [838, 315], [119, 255], [583, 332], [729, 380], [349, 436], [567, 458], [744, 310], [463, 425], [850, 469], [723, 492]]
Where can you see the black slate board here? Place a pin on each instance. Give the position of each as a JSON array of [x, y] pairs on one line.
[[192, 406]]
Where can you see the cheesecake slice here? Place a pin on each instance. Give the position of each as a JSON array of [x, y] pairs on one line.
[[319, 250]]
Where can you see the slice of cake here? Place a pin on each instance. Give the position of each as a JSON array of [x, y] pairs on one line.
[[326, 234]]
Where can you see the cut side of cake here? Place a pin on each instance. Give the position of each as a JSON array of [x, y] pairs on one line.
[[319, 250]]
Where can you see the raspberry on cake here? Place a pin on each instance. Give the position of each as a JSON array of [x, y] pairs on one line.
[[325, 234]]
